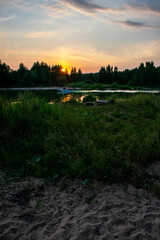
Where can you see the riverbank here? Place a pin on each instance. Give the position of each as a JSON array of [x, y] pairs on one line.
[[34, 209], [113, 86], [65, 90], [34, 88]]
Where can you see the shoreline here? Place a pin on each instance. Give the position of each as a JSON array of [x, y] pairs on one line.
[[36, 88], [69, 210], [80, 90]]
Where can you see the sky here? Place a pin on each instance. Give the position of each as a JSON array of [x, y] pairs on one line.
[[85, 34]]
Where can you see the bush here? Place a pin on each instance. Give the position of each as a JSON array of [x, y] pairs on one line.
[[114, 85], [89, 98]]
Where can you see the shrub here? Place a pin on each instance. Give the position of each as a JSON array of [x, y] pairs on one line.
[[89, 98]]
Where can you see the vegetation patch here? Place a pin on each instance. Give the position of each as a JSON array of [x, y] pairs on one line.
[[89, 98], [45, 140]]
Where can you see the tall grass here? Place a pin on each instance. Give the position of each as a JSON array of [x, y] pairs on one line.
[[111, 143]]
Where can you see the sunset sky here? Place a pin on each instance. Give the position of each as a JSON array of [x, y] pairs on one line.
[[86, 34]]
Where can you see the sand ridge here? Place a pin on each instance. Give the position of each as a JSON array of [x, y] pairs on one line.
[[70, 210]]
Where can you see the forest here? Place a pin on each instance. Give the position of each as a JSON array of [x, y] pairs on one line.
[[43, 75]]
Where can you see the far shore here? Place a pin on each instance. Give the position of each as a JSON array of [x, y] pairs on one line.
[[84, 90], [38, 88]]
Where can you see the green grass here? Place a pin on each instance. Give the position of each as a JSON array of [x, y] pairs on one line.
[[89, 98], [101, 86], [109, 143], [84, 85]]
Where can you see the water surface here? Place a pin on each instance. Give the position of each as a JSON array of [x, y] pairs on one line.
[[55, 94]]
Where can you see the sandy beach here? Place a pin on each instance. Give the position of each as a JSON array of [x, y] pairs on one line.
[[71, 209]]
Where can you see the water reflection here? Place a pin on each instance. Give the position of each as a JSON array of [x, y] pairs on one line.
[[67, 98], [73, 97], [117, 91], [79, 96], [51, 96]]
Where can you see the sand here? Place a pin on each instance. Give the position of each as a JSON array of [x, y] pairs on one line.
[[72, 210]]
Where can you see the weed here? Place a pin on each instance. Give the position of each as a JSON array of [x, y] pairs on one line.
[[156, 190], [125, 187], [90, 198], [63, 186], [89, 98], [136, 193], [40, 204]]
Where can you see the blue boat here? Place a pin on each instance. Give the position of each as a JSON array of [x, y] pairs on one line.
[[65, 91]]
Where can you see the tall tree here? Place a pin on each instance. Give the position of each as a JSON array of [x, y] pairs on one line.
[[102, 75], [42, 74], [21, 71], [4, 74], [142, 75], [55, 73], [115, 74], [73, 75], [150, 74], [109, 74], [158, 76], [79, 75]]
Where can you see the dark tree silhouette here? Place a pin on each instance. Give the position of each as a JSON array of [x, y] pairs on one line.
[[4, 74], [41, 74], [109, 74], [102, 75], [55, 73]]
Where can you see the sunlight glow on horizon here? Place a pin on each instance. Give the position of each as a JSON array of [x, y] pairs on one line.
[[80, 34]]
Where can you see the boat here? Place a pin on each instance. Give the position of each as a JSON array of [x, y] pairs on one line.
[[65, 91]]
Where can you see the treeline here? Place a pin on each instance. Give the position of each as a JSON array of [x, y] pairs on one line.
[[41, 74], [145, 75]]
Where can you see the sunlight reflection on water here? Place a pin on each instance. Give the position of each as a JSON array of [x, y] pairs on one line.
[[117, 91], [70, 97], [54, 96]]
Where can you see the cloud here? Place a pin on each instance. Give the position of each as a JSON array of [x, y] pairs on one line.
[[4, 19], [59, 5], [84, 6], [136, 5], [135, 24], [120, 13], [90, 6], [42, 34], [147, 5]]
